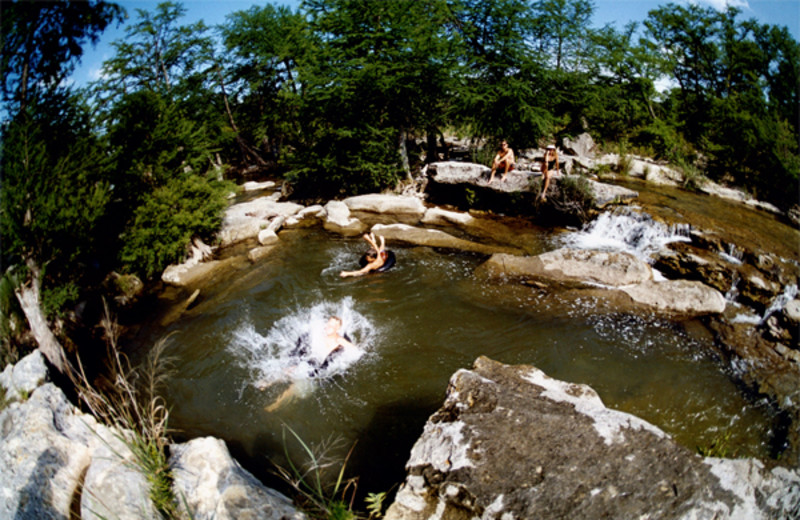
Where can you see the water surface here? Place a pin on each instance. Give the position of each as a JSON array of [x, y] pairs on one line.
[[419, 323]]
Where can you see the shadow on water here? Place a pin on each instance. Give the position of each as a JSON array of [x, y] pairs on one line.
[[418, 324]]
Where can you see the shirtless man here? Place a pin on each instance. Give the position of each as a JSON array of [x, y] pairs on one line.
[[503, 160]]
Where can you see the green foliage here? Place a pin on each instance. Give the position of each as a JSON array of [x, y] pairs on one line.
[[321, 498], [375, 502], [718, 447], [55, 299], [41, 41], [164, 225]]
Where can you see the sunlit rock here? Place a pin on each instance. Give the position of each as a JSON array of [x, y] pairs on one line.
[[44, 452], [435, 238], [307, 217], [257, 186], [678, 296], [511, 442], [23, 378], [569, 267], [214, 486], [582, 146], [338, 219], [387, 204], [244, 221]]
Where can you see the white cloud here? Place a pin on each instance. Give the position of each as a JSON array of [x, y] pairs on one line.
[[720, 5]]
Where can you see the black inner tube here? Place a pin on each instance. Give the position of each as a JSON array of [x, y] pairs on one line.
[[388, 264]]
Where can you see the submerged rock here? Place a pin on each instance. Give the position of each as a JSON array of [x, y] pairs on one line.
[[510, 442], [435, 238]]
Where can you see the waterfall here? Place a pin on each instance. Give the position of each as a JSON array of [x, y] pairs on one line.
[[628, 230], [789, 293]]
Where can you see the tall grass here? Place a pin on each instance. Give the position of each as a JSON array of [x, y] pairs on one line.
[[131, 402], [320, 496]]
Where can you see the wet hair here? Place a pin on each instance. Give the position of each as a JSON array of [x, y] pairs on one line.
[[372, 254]]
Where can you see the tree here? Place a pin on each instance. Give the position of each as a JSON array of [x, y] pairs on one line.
[[42, 41], [561, 31], [53, 188], [54, 193]]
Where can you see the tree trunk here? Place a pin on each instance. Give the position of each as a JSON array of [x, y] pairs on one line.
[[403, 152], [28, 296]]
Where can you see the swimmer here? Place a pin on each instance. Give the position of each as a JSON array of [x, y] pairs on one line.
[[376, 257], [335, 345]]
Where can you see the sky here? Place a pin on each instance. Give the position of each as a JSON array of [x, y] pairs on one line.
[[615, 12]]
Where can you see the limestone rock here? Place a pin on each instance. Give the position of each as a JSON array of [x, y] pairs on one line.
[[338, 219], [387, 204], [267, 237], [434, 238], [511, 442], [605, 194], [44, 452], [257, 253], [214, 486], [678, 296], [23, 378], [569, 267], [244, 221], [306, 217], [582, 146], [257, 186], [186, 274], [113, 487]]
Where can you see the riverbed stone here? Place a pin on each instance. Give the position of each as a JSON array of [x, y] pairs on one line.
[[215, 486], [306, 217], [605, 194], [569, 267], [511, 442], [244, 221], [399, 205], [185, 275], [685, 297], [338, 219], [436, 238]]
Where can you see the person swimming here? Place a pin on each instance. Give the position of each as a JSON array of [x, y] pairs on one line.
[[335, 345], [376, 258]]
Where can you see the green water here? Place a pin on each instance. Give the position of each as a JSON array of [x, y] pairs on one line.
[[419, 323]]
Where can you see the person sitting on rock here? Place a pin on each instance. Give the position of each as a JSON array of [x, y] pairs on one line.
[[504, 160], [549, 166], [375, 257]]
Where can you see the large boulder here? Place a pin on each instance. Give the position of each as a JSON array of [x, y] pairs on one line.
[[244, 221], [23, 378], [582, 146], [45, 449], [214, 486], [605, 194], [435, 238], [397, 205], [685, 297], [569, 267], [511, 442], [339, 220]]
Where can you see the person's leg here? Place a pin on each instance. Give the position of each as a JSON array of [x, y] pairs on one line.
[[543, 195], [507, 168], [287, 394]]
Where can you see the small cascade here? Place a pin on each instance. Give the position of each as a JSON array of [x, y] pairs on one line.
[[789, 293], [734, 255], [733, 292], [625, 229]]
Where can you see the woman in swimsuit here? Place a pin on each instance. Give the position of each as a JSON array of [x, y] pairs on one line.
[[376, 257], [550, 164]]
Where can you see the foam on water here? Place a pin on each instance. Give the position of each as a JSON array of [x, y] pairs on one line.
[[627, 230], [268, 356]]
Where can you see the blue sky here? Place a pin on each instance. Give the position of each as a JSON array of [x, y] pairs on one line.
[[615, 12]]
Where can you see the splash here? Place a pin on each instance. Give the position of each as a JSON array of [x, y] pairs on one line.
[[789, 293], [272, 357], [627, 230]]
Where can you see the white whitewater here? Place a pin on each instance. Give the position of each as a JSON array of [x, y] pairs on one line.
[[269, 356], [626, 229]]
